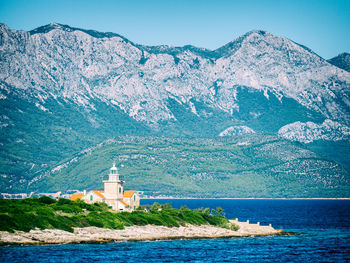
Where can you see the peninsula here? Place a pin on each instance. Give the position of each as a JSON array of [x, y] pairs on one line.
[[133, 233], [47, 221]]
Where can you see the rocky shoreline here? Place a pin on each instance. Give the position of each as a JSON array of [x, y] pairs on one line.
[[133, 233]]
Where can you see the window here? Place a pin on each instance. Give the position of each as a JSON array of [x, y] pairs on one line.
[[120, 190], [134, 198], [134, 207], [91, 197]]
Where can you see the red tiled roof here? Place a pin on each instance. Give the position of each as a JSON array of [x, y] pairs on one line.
[[74, 197], [100, 193], [129, 193], [123, 203]]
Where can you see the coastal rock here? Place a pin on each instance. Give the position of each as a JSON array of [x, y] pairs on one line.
[[133, 233]]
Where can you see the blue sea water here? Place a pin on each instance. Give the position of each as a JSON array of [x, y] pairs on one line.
[[322, 227]]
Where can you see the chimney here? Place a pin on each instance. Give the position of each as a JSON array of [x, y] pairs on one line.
[[84, 192]]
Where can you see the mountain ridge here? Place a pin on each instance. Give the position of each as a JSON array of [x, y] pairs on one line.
[[247, 83], [64, 90], [164, 48], [341, 61]]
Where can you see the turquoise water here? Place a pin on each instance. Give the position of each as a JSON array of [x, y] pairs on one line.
[[323, 228]]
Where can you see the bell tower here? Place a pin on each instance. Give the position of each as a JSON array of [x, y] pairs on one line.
[[113, 187]]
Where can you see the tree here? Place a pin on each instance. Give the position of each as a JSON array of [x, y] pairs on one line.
[[166, 206], [156, 206], [220, 210]]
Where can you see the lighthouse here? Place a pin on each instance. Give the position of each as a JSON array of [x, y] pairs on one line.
[[113, 194], [113, 188]]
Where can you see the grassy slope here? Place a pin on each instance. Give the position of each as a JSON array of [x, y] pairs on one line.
[[35, 139], [64, 214], [246, 166]]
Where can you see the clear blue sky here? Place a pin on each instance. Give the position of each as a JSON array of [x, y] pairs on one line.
[[322, 25]]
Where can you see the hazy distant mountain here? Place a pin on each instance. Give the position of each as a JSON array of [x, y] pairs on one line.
[[341, 61], [65, 89]]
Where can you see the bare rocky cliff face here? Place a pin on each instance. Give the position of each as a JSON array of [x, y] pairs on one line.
[[69, 88], [58, 61]]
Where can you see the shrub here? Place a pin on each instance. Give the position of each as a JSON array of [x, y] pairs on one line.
[[166, 206], [220, 210], [94, 219], [64, 201], [6, 223], [110, 220], [145, 207], [193, 217], [184, 207], [234, 227], [100, 206], [217, 220], [61, 222], [156, 206], [25, 221], [83, 204], [72, 209], [46, 200], [30, 213], [44, 211], [79, 221], [169, 220]]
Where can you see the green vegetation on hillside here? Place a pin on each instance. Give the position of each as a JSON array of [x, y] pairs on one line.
[[65, 214], [28, 146], [70, 148], [243, 166]]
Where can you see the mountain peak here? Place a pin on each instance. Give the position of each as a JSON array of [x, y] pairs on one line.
[[47, 28], [260, 39], [231, 47], [257, 31], [2, 25], [341, 61], [96, 34]]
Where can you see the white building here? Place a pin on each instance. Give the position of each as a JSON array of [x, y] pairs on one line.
[[113, 194]]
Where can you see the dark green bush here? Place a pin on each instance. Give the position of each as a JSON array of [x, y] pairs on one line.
[[44, 213], [6, 223], [46, 200], [83, 205], [156, 206], [25, 221], [61, 222], [63, 201], [94, 219], [99, 206], [79, 221], [73, 209], [193, 217]]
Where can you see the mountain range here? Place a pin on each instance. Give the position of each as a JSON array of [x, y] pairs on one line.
[[66, 92]]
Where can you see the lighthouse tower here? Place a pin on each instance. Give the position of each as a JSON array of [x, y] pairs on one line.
[[113, 188]]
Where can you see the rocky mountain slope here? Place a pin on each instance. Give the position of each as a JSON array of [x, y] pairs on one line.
[[341, 61], [65, 89]]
